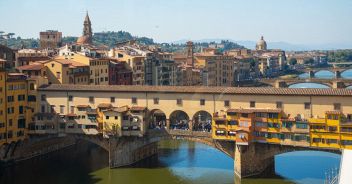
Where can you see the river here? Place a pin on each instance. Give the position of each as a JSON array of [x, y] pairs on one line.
[[178, 162]]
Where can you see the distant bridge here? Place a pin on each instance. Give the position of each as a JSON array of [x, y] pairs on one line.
[[336, 70], [284, 83]]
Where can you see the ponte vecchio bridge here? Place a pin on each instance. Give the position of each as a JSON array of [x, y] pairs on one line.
[[251, 125]]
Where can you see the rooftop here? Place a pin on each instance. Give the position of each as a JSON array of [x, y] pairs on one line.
[[199, 89]]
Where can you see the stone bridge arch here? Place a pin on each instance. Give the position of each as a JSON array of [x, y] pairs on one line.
[[257, 157], [179, 119], [201, 121]]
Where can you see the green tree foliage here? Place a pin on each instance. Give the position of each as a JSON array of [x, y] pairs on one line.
[[340, 56], [292, 61]]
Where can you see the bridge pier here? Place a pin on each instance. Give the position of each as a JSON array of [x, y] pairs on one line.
[[280, 84], [337, 74], [338, 85], [311, 74], [127, 151]]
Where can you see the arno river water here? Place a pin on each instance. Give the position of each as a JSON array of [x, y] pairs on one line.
[[178, 162]]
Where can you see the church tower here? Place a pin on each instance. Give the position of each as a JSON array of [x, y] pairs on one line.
[[87, 29], [190, 52], [87, 36]]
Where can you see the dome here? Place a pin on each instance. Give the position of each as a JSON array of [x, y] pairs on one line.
[[83, 40], [261, 44]]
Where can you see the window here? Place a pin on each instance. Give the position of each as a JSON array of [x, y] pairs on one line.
[[91, 99], [10, 99], [202, 101], [307, 105], [332, 128], [106, 79], [20, 109], [62, 108], [243, 124], [244, 115], [112, 99], [21, 97], [252, 104], [301, 125], [70, 98], [273, 115], [278, 105], [233, 122], [72, 109], [349, 117], [331, 141], [31, 86], [134, 100], [273, 125], [116, 117], [260, 115], [337, 106], [156, 100], [227, 103], [43, 98], [31, 98], [260, 124], [10, 110], [107, 117], [316, 140], [179, 101], [58, 75]]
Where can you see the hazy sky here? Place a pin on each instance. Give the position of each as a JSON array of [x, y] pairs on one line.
[[295, 21]]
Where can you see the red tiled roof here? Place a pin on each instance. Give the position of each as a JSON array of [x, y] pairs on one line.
[[104, 105], [136, 108], [83, 106], [31, 67]]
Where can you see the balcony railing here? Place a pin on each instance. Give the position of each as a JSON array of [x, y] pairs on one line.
[[317, 120]]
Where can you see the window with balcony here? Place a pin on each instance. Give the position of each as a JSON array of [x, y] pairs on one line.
[[260, 124], [316, 140], [260, 115], [287, 124], [233, 122], [331, 141], [332, 128], [301, 125], [220, 132], [244, 124]]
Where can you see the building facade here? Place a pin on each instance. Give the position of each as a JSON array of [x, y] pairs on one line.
[[50, 39]]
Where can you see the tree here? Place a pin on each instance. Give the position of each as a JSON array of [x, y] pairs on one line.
[[309, 61], [292, 61]]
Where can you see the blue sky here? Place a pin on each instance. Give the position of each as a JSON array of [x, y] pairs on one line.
[[294, 21]]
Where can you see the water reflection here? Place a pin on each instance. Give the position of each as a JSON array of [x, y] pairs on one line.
[[308, 85], [179, 162]]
